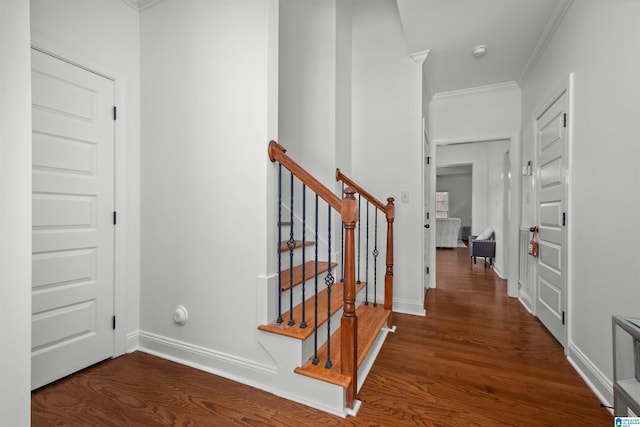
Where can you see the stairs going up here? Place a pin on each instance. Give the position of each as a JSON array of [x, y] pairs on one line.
[[324, 334]]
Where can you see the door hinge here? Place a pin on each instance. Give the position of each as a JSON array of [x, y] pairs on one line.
[[563, 317], [427, 270], [114, 217], [427, 215], [564, 124], [113, 324], [564, 219], [115, 114], [428, 160]]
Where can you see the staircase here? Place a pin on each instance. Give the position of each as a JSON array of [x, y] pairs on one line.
[[326, 333]]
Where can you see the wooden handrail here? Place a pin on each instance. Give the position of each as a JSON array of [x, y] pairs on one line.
[[364, 193], [278, 153]]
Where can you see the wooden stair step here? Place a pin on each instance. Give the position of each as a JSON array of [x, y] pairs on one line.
[[295, 331], [370, 321], [309, 273], [299, 244]]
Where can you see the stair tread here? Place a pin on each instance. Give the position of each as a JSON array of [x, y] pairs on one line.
[[295, 331], [299, 244], [310, 272], [370, 321]]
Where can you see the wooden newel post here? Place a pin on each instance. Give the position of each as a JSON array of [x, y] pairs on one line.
[[390, 213], [349, 321]]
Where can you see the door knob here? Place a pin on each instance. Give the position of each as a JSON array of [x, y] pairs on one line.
[[427, 226]]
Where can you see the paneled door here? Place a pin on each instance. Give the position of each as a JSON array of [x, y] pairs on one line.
[[73, 230], [551, 196]]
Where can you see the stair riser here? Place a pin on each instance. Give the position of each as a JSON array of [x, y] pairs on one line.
[[310, 255], [309, 295], [287, 352], [308, 344]]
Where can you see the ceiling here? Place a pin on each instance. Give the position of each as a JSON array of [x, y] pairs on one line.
[[515, 32]]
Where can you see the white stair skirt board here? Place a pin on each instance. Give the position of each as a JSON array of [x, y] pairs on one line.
[[356, 407], [288, 354], [371, 357]]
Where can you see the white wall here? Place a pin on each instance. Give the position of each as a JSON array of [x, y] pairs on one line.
[[15, 214], [484, 113], [103, 35], [487, 187], [307, 90], [387, 142], [459, 187], [207, 78], [599, 41]]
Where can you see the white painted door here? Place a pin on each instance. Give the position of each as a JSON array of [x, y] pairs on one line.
[[73, 204], [426, 190], [551, 189]]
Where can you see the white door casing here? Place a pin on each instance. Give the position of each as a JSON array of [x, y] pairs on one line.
[[427, 270], [73, 205], [551, 205]]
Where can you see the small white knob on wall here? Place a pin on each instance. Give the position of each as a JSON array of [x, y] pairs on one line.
[[180, 316]]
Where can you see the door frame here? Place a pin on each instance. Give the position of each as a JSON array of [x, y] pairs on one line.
[[120, 344], [515, 205], [567, 86], [428, 193]]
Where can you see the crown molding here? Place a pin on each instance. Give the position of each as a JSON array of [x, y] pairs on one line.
[[477, 89], [140, 5], [419, 57], [545, 38]]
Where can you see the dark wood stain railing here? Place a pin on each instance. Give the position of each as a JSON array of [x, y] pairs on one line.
[[389, 211], [277, 153], [348, 210]]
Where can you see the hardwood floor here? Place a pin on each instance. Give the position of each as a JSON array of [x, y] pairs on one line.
[[477, 359]]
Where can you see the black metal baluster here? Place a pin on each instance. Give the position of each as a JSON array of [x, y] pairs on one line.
[[279, 243], [315, 316], [303, 322], [375, 263], [359, 229], [366, 271], [329, 280], [291, 244]]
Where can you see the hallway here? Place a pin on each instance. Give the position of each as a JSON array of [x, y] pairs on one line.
[[477, 359]]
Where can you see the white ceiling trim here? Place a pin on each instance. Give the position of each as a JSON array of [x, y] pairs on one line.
[[478, 89], [141, 4], [419, 57], [552, 26]]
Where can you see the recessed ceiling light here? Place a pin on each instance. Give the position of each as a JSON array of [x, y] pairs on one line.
[[479, 51]]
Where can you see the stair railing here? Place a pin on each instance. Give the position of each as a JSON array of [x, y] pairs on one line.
[[389, 211], [347, 207]]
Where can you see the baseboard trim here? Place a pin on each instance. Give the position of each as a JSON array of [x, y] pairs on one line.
[[595, 379], [406, 306], [526, 302], [224, 365], [133, 341]]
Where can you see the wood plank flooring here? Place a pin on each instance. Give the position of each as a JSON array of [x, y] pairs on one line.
[[477, 359]]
